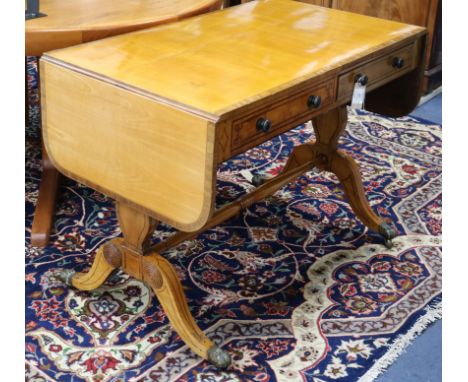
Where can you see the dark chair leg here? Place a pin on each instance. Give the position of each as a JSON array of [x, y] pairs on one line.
[[45, 207]]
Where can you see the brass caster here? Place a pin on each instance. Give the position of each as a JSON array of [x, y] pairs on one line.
[[388, 243], [66, 275], [113, 276], [257, 180], [388, 234], [219, 357]]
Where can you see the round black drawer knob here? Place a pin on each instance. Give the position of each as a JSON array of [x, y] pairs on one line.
[[362, 79], [398, 62], [314, 101], [263, 124]]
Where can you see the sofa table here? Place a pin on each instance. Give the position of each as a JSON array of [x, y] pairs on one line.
[[146, 118], [71, 22]]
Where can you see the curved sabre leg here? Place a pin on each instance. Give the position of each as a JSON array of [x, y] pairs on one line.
[[328, 128], [107, 259], [347, 171], [163, 279]]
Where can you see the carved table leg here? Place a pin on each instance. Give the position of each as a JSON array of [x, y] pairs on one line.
[[133, 254], [45, 206], [161, 276], [328, 128]]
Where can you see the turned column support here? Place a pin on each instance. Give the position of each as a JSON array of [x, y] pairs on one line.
[[137, 229]]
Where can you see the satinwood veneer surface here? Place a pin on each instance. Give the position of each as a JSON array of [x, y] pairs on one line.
[[145, 117], [219, 61]]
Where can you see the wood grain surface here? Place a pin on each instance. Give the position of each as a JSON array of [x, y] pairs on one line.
[[70, 22], [154, 156], [217, 62]]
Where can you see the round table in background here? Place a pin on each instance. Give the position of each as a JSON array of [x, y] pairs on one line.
[[71, 22]]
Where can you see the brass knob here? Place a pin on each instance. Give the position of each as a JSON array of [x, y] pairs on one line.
[[263, 124], [398, 62], [314, 101], [362, 79]]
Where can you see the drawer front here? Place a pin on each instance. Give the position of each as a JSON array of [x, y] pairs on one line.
[[248, 130], [379, 70]]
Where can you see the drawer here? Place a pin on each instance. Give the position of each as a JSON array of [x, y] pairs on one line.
[[265, 123], [378, 71]]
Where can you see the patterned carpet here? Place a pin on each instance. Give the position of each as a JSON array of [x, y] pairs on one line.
[[295, 288]]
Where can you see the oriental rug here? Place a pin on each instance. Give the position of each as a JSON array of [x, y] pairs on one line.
[[295, 287]]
